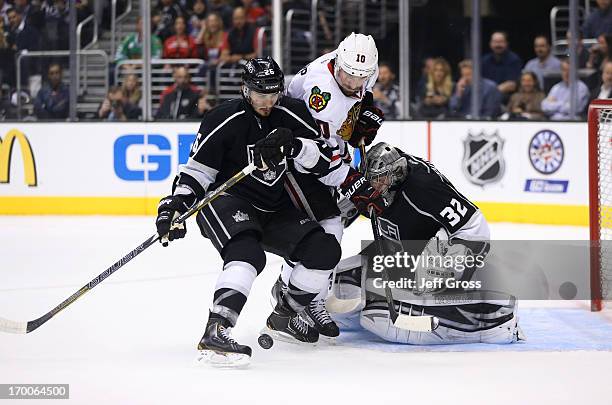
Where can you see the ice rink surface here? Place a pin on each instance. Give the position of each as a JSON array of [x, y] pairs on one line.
[[132, 339]]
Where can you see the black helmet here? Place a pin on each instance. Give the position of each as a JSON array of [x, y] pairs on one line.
[[263, 75]]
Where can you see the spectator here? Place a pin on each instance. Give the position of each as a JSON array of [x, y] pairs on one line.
[[182, 101], [131, 46], [437, 92], [544, 62], [131, 89], [527, 102], [7, 70], [212, 39], [600, 53], [460, 102], [502, 65], [115, 107], [252, 10], [557, 104], [57, 23], [4, 8], [203, 104], [386, 92], [604, 90], [425, 69], [223, 9], [53, 100], [31, 13], [241, 42], [197, 21], [181, 45], [599, 21], [21, 35], [181, 79], [583, 54], [167, 11]]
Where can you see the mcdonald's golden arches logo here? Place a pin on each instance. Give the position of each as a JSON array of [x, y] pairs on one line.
[[6, 152]]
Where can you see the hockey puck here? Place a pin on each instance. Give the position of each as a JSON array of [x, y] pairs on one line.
[[265, 341]]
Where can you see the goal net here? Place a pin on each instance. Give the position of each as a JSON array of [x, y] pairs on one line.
[[600, 201]]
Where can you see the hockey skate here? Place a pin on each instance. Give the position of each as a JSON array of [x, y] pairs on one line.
[[278, 290], [218, 349], [286, 325], [317, 317]]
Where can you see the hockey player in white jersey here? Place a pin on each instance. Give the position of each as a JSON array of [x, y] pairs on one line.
[[427, 217], [336, 87]]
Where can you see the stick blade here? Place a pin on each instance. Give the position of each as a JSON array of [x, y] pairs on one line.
[[6, 325], [424, 323], [336, 305]]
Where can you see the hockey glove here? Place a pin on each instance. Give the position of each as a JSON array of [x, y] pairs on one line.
[[168, 210], [361, 193], [369, 121], [271, 150]]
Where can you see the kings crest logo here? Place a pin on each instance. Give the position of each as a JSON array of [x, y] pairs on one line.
[[483, 160], [546, 151], [317, 100], [269, 177], [240, 216]]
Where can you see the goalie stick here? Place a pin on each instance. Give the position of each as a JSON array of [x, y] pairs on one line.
[[417, 323], [6, 325]]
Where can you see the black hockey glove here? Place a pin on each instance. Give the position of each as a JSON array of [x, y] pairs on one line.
[[367, 125], [361, 193], [271, 150], [168, 209]]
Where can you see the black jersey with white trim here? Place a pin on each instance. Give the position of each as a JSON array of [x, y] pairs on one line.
[[425, 202], [224, 146]]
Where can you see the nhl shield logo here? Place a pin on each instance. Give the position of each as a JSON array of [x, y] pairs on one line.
[[483, 160]]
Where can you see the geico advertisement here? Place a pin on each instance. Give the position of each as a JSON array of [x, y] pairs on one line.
[[518, 162], [103, 159]]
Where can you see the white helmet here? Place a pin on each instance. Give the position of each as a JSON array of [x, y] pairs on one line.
[[357, 55]]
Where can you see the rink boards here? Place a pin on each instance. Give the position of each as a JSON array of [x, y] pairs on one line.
[[533, 172]]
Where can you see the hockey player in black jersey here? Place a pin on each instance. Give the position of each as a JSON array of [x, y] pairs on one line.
[[427, 216], [256, 214]]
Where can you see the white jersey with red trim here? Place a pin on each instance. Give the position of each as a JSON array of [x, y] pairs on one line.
[[334, 112]]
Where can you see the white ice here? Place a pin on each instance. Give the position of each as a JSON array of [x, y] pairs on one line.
[[132, 339]]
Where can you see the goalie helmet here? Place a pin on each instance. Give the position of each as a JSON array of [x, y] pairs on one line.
[[386, 167], [357, 55]]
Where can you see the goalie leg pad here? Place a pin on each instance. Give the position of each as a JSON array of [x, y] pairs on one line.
[[375, 318]]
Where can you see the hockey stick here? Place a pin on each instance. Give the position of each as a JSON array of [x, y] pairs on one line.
[[7, 325], [417, 323]]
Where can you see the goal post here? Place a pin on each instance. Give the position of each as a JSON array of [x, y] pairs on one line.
[[600, 200]]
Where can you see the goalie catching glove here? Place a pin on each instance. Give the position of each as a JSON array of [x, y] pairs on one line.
[[361, 193], [168, 210], [275, 147]]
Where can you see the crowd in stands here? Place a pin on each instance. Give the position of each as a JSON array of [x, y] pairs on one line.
[[510, 89], [226, 31]]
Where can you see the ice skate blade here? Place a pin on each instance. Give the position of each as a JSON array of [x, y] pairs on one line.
[[284, 337], [327, 340], [222, 360]]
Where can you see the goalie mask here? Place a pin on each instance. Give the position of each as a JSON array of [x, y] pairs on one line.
[[386, 168], [356, 61], [263, 83]]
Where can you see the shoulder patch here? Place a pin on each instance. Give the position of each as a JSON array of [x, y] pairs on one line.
[[317, 100]]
